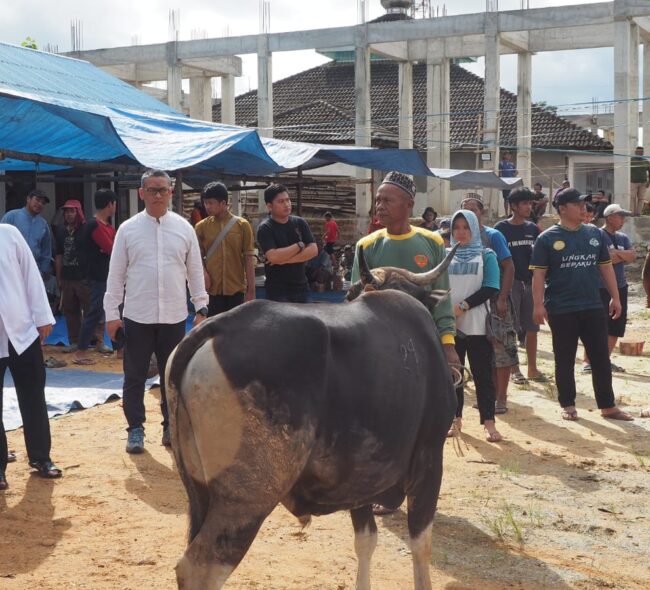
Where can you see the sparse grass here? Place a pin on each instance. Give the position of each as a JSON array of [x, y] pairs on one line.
[[506, 523], [509, 469], [642, 314], [549, 391], [534, 515], [640, 456]]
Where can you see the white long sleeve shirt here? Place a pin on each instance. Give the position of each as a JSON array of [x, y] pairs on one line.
[[23, 301], [151, 262]]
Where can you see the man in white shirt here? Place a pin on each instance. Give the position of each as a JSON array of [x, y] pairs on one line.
[[155, 254], [25, 321]]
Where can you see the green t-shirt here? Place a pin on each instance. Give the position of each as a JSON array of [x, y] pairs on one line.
[[419, 250], [571, 259]]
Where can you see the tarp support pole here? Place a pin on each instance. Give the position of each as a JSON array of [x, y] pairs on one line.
[[299, 193], [178, 192]]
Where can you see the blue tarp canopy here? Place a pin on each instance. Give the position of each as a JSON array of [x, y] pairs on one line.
[[64, 112]]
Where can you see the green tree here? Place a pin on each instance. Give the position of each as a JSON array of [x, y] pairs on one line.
[[543, 105], [29, 43]]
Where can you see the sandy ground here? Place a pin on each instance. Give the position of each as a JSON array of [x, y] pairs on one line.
[[558, 505]]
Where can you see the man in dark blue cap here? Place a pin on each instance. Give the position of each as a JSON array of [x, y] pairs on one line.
[[567, 261]]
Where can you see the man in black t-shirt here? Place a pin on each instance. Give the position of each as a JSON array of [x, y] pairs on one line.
[[520, 235], [70, 269], [287, 243], [99, 235]]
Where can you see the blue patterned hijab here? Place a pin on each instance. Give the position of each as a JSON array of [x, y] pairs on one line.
[[475, 247]]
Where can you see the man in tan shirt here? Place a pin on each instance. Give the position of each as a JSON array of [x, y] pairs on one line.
[[230, 268]]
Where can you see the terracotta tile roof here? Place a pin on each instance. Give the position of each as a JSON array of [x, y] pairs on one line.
[[317, 105]]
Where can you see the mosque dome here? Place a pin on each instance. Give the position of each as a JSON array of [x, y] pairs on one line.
[[397, 6]]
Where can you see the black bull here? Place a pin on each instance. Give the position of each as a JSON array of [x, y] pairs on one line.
[[322, 408]]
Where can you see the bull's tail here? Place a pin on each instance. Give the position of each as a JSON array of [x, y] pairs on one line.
[[184, 447]]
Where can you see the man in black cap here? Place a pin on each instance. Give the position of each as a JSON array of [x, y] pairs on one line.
[[34, 228], [567, 261]]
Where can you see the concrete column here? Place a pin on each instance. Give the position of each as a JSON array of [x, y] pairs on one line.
[[174, 79], [235, 203], [405, 86], [491, 104], [633, 129], [524, 116], [228, 100], [622, 121], [133, 203], [264, 87], [363, 124], [438, 134], [646, 93], [201, 98]]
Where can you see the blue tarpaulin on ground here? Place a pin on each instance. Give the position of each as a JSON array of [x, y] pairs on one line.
[[61, 109]]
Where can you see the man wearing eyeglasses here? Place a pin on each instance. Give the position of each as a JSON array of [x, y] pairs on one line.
[[155, 254]]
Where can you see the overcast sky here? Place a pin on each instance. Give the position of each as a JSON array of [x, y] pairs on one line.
[[560, 78]]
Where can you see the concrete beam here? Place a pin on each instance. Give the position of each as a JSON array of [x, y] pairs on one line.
[[395, 51], [216, 66], [517, 41], [643, 23], [588, 37], [538, 19], [264, 87], [563, 39], [629, 8]]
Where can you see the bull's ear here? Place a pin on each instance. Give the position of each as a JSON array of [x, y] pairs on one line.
[[364, 271], [435, 297]]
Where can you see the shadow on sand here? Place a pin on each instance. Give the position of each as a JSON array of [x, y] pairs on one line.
[[28, 531]]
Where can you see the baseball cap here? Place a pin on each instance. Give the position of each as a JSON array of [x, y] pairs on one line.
[[39, 194], [616, 208], [570, 195], [72, 204]]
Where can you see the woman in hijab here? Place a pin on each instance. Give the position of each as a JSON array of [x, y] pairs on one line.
[[474, 278]]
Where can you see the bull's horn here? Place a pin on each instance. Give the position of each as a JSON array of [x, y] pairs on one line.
[[426, 278], [364, 272]]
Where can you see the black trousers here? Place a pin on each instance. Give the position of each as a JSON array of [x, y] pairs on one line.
[[479, 352], [590, 326], [28, 372], [140, 342], [220, 303]]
